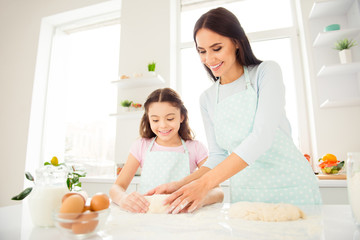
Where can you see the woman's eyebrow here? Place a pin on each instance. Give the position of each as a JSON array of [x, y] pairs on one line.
[[214, 45]]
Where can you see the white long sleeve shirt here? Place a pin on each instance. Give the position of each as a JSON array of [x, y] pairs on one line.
[[266, 79]]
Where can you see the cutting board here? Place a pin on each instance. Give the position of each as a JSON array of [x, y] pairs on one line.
[[332, 177]]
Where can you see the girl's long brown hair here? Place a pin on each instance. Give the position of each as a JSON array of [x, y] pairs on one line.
[[172, 97], [225, 23]]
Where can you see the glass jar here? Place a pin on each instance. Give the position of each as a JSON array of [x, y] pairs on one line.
[[353, 184], [46, 196]]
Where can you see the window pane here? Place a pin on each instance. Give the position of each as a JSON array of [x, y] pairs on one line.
[[269, 50], [194, 81], [254, 15], [78, 126]]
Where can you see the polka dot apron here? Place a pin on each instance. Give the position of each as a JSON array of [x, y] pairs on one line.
[[162, 167], [281, 174]]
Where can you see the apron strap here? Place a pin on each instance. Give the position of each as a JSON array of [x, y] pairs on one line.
[[184, 145], [152, 144], [247, 80]]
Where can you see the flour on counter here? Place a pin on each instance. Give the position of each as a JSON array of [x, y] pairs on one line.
[[268, 212], [156, 203], [211, 222]]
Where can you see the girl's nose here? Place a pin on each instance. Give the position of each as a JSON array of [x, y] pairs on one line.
[[162, 123]]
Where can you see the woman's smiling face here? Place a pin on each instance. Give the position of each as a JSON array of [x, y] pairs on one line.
[[218, 54]]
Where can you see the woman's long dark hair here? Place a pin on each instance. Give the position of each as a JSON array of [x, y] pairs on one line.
[[225, 23], [172, 97]]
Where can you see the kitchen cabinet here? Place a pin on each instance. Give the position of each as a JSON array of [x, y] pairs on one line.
[[332, 191], [338, 84]]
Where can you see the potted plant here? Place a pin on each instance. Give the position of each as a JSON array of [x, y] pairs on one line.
[[151, 67], [344, 46], [126, 104]]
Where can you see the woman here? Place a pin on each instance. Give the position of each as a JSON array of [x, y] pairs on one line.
[[247, 130]]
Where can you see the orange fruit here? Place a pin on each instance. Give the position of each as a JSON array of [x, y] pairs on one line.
[[329, 158]]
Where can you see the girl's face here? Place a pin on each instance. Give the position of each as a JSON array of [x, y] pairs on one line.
[[218, 53], [165, 122]]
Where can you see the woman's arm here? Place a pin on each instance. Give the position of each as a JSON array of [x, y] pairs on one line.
[[134, 201], [196, 191], [215, 195]]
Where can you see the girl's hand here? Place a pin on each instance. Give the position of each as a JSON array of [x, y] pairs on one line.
[[134, 202], [190, 197], [166, 188]]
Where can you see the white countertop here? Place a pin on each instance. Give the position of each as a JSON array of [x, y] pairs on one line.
[[329, 222], [322, 182]]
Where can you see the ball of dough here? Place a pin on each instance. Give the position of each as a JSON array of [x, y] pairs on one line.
[[268, 212], [156, 203]]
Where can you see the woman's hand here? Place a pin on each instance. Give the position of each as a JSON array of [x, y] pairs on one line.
[[134, 202], [190, 197], [166, 188]]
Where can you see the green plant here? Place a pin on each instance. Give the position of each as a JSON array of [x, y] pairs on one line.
[[345, 44], [151, 66], [72, 181], [126, 103]]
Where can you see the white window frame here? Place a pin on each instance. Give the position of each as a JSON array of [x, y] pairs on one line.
[[68, 21]]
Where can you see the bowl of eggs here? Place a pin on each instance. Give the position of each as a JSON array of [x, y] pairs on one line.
[[78, 220]]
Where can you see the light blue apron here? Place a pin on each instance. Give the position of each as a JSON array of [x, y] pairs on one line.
[[281, 174], [162, 167]]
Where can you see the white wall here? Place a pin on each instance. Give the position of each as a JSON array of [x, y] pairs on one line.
[[145, 37], [19, 29], [335, 130]]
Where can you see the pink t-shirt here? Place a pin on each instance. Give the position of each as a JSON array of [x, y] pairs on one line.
[[197, 151]]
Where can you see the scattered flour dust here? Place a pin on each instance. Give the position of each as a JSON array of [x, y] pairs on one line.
[[268, 212]]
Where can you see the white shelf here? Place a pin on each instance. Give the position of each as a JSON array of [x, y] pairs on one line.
[[138, 82], [349, 68], [323, 8], [129, 115], [355, 102], [330, 38]]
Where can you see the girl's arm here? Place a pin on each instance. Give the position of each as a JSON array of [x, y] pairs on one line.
[[134, 201]]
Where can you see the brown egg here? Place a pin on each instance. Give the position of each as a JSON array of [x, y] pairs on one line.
[[72, 207], [73, 193], [86, 208], [99, 201], [85, 223]]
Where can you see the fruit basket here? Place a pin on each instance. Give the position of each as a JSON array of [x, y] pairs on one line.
[[329, 164]]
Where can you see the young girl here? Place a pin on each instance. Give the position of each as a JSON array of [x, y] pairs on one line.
[[166, 152]]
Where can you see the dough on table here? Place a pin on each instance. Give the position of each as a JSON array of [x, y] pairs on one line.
[[268, 212], [156, 203]]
